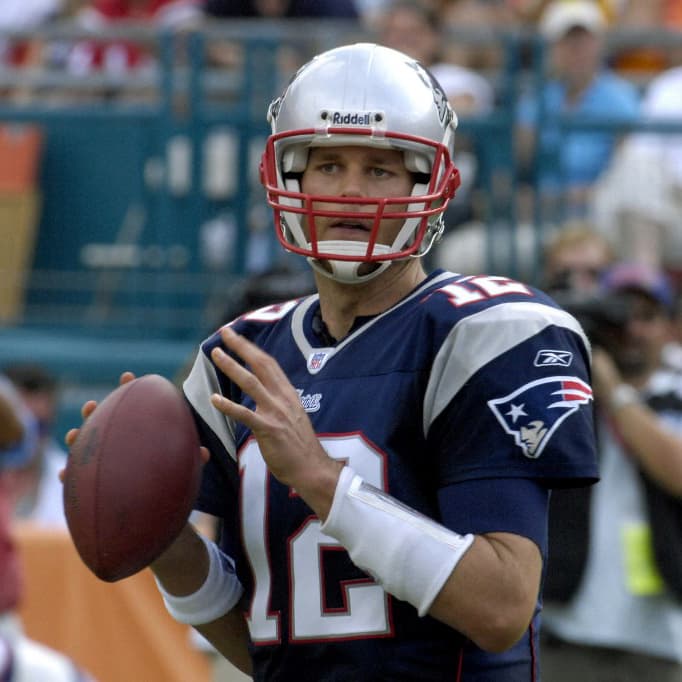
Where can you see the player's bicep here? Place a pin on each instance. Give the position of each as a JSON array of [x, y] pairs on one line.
[[517, 506], [526, 410]]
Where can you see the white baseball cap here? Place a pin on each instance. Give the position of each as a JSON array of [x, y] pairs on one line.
[[561, 16]]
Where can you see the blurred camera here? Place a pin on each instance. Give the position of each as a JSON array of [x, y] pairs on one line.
[[603, 317]]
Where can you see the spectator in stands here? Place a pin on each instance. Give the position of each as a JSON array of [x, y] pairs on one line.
[[472, 96], [21, 658], [414, 28], [638, 201], [575, 259], [42, 501], [24, 16], [613, 591], [119, 57], [466, 30], [643, 58], [24, 52], [528, 12], [468, 90], [228, 54], [281, 9], [564, 165], [421, 29], [472, 28]]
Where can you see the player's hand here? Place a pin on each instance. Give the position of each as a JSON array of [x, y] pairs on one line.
[[88, 408], [281, 426]]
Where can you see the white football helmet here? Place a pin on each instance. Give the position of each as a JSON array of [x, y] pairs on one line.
[[362, 94]]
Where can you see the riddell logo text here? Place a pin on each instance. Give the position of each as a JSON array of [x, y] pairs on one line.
[[351, 118]]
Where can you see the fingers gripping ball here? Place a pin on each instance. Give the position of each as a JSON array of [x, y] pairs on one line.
[[132, 477]]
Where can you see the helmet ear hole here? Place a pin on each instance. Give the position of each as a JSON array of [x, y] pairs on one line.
[[292, 181]]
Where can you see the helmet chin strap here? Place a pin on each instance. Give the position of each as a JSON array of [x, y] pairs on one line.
[[344, 271]]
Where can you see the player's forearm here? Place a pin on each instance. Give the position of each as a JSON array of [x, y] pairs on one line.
[[183, 567], [229, 635], [485, 587], [491, 595], [183, 571], [317, 484]]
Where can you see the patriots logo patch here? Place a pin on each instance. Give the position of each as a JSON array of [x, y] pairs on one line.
[[533, 413]]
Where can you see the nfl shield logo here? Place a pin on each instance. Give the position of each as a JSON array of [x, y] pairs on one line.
[[316, 361]]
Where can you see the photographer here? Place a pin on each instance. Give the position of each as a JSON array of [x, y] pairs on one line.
[[575, 259], [614, 585]]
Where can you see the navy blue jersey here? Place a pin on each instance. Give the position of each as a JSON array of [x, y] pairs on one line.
[[467, 401]]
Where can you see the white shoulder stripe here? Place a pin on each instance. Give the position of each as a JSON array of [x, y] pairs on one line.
[[480, 338], [198, 387]]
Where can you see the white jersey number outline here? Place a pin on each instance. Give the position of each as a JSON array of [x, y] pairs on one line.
[[474, 289], [366, 611]]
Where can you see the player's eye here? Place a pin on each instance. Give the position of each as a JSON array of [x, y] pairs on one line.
[[381, 172], [328, 167]]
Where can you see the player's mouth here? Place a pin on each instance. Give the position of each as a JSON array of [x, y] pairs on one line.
[[349, 227]]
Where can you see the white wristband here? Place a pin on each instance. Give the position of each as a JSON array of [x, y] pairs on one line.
[[408, 554], [219, 593]]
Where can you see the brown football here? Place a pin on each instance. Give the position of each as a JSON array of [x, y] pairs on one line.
[[131, 477]]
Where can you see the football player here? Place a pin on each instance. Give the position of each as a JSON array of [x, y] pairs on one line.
[[382, 452]]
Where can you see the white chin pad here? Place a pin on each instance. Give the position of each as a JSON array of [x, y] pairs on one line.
[[348, 272], [350, 248]]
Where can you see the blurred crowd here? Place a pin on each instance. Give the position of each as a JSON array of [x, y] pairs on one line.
[[614, 64], [30, 490]]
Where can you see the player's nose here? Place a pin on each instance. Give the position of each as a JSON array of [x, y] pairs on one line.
[[353, 183]]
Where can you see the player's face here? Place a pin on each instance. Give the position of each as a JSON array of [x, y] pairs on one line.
[[356, 172]]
